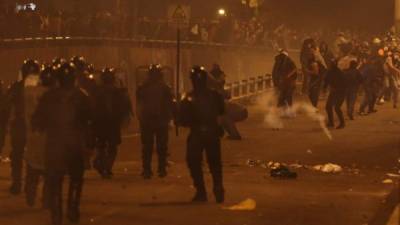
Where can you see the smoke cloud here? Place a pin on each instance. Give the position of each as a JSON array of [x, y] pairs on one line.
[[274, 117]]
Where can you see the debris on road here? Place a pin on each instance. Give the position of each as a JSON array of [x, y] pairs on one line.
[[5, 159], [328, 168], [309, 151], [283, 172], [246, 205], [387, 181], [297, 166], [393, 175]]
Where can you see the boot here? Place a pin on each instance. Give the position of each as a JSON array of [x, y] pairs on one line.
[[147, 174], [162, 172], [200, 196], [15, 188], [219, 194]]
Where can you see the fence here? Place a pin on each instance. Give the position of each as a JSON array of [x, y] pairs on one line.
[[249, 87]]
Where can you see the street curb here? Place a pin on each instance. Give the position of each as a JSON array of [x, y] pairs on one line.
[[383, 215]]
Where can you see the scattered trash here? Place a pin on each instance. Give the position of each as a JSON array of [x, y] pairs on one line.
[[355, 171], [246, 205], [254, 163], [393, 175], [296, 166], [328, 168], [309, 151], [274, 165], [387, 181], [5, 159], [283, 172]]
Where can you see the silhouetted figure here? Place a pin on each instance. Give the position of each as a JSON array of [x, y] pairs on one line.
[[17, 116], [64, 115], [201, 110], [336, 82], [284, 75], [111, 109], [155, 108]]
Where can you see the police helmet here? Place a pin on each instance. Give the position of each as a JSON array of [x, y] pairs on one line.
[[30, 66], [66, 74], [155, 71], [108, 75], [58, 61], [48, 75], [79, 62], [198, 75], [90, 68]]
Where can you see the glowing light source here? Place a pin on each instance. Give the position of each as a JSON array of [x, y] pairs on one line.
[[221, 12]]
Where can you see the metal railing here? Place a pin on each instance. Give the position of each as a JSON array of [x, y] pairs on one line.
[[249, 87]]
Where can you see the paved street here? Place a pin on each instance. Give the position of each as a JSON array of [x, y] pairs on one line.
[[367, 150]]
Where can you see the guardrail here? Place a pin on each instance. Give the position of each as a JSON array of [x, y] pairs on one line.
[[249, 87]]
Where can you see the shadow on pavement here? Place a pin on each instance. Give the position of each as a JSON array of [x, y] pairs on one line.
[[167, 204]]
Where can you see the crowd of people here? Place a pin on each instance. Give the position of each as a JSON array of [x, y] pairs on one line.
[[65, 117], [254, 31], [350, 68]]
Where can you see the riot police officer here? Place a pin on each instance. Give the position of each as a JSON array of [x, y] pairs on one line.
[[58, 61], [155, 107], [80, 63], [35, 151], [111, 110], [64, 115], [17, 116], [201, 110]]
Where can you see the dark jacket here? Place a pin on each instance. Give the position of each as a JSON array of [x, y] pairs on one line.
[[371, 76], [64, 115], [353, 78], [155, 101], [283, 66], [112, 106], [200, 112], [16, 112], [335, 80]]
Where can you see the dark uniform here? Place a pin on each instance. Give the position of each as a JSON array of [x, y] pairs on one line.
[[155, 107], [18, 123], [336, 82], [35, 152], [63, 114], [111, 108], [201, 110], [284, 75], [353, 81]]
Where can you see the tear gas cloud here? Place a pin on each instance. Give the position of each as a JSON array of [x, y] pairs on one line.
[[274, 116]]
